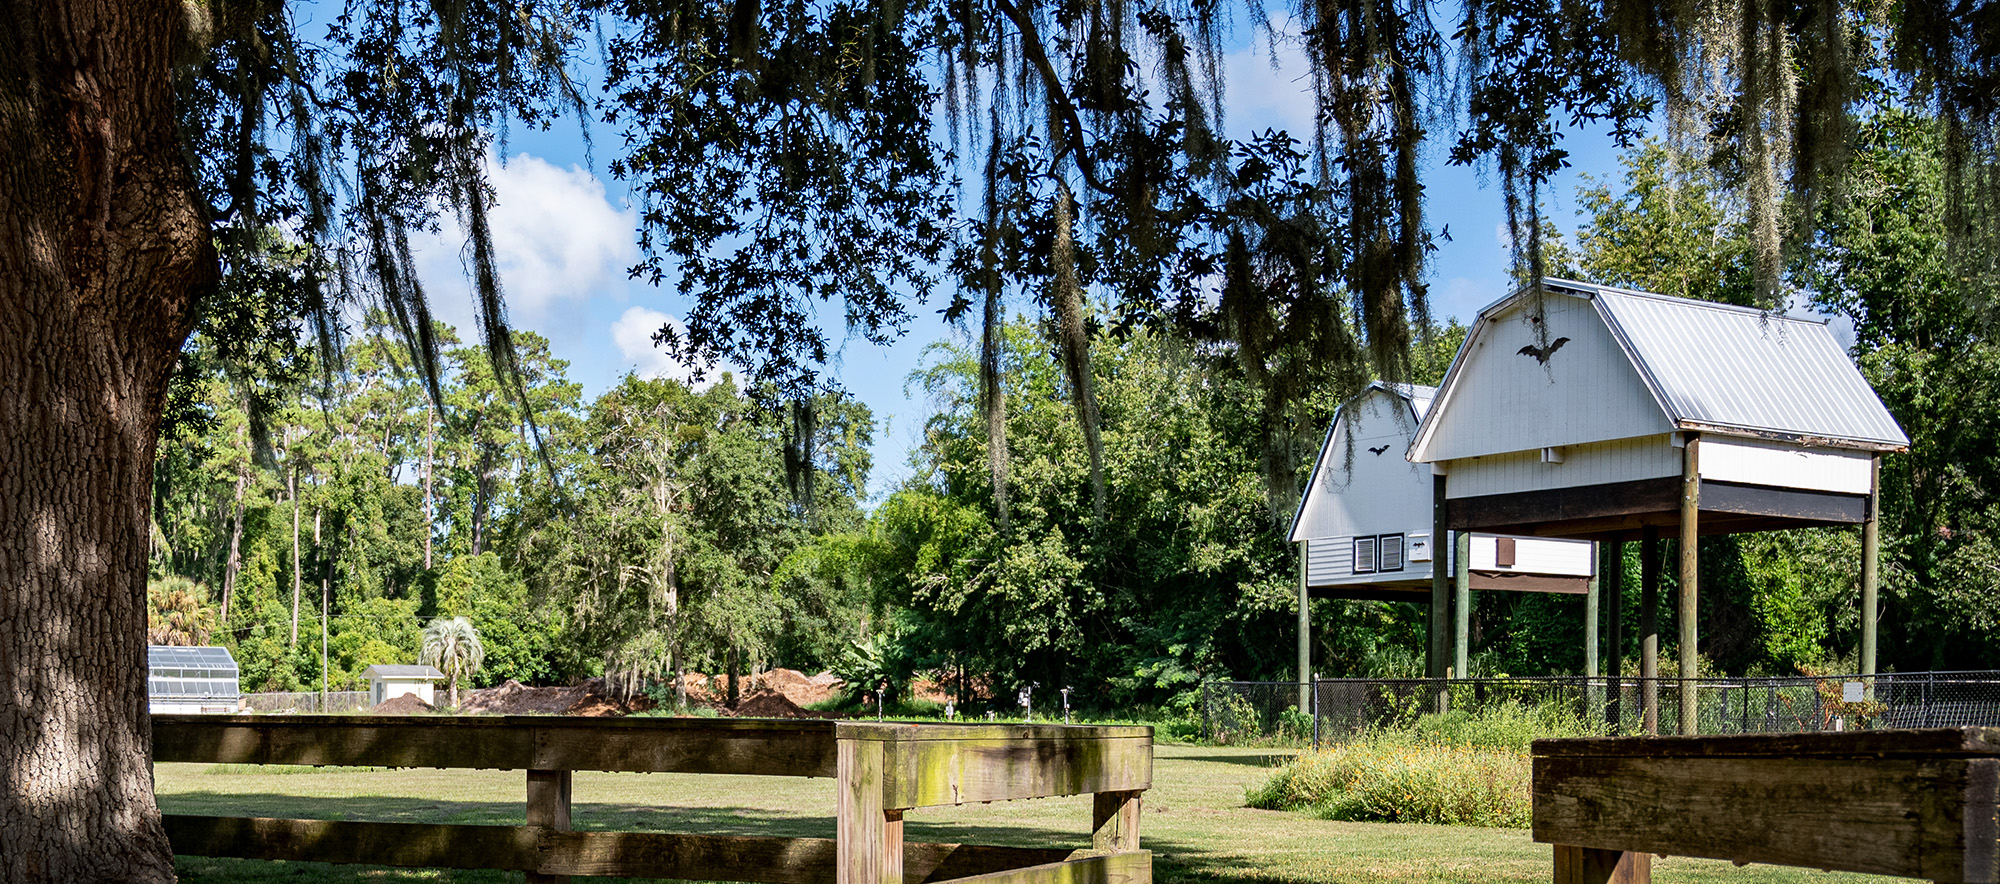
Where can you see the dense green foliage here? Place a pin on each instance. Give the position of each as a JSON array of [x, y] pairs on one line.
[[678, 537], [670, 518]]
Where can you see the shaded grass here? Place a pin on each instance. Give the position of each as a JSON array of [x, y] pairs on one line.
[[1195, 822]]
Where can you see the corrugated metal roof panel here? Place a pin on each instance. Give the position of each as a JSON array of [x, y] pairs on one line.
[[1714, 365], [208, 658], [401, 670]]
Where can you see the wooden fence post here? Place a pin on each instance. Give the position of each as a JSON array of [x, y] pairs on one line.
[[1115, 821], [548, 807], [869, 837], [1589, 865]]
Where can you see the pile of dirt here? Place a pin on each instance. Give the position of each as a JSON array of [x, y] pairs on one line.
[[590, 698], [797, 687], [769, 704], [407, 704]]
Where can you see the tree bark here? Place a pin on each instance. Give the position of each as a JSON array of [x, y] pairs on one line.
[[292, 484], [103, 249], [235, 562], [430, 452]]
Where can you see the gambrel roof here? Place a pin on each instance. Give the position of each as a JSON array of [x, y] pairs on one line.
[[1416, 397], [1706, 367]]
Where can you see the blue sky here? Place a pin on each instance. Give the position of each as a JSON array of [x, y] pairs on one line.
[[564, 229]]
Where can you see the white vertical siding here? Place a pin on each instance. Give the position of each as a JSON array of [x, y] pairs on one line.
[[1502, 401], [1623, 460], [1535, 555], [1362, 484], [1785, 465]]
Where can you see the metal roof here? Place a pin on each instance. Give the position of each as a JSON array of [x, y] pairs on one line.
[[209, 659], [1719, 367], [396, 670]]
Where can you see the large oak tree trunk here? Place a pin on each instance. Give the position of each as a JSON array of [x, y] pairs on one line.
[[102, 247]]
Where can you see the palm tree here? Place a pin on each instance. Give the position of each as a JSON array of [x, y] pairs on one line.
[[453, 647], [178, 612]]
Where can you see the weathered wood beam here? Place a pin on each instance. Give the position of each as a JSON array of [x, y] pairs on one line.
[[1611, 571], [1690, 583], [1927, 818], [1115, 821], [1461, 603], [928, 773], [620, 854], [548, 808], [1871, 554], [1649, 629], [774, 748], [1440, 609], [1305, 635], [1116, 868], [1591, 865]]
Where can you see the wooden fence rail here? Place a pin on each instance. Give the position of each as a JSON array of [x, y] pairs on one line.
[[1912, 803], [882, 770]]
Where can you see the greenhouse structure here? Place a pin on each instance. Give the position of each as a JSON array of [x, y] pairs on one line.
[[191, 680]]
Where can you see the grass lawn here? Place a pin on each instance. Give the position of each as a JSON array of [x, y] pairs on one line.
[[1194, 822]]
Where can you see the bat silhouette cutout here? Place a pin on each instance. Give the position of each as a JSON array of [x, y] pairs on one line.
[[1542, 354], [1377, 450]]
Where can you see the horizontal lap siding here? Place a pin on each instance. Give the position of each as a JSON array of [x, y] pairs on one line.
[[1330, 562], [1777, 464], [1535, 555]]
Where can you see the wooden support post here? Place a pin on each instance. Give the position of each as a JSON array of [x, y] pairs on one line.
[[1115, 822], [1611, 575], [548, 807], [1649, 629], [1871, 553], [1592, 610], [1690, 583], [1589, 865], [1461, 602], [1434, 654], [868, 836], [1305, 635]]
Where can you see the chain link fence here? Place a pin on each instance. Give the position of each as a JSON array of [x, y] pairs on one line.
[[1270, 711], [307, 701]]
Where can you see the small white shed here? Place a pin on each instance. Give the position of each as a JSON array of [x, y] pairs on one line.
[[389, 681], [1365, 518], [1614, 415]]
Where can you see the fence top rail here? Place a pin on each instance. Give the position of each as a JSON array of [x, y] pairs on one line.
[[1927, 742], [769, 747], [906, 731]]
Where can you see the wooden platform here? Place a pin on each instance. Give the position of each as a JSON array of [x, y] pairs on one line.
[[1911, 803], [883, 770]]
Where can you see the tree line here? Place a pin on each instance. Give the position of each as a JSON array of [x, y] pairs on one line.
[[667, 528]]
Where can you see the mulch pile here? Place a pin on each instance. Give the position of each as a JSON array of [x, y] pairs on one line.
[[514, 698], [799, 688], [407, 704], [769, 704]]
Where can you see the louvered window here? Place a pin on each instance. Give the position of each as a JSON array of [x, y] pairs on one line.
[[1389, 552], [1364, 555]]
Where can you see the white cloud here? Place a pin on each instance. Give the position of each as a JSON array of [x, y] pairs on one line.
[[633, 333], [559, 240], [1267, 89]]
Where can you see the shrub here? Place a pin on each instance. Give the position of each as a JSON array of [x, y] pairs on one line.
[[1502, 726], [1398, 777]]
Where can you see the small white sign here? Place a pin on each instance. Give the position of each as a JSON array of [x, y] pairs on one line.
[[1419, 548], [1850, 692]]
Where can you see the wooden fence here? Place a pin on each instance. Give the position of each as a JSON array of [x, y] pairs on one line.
[[1913, 803], [882, 770]]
